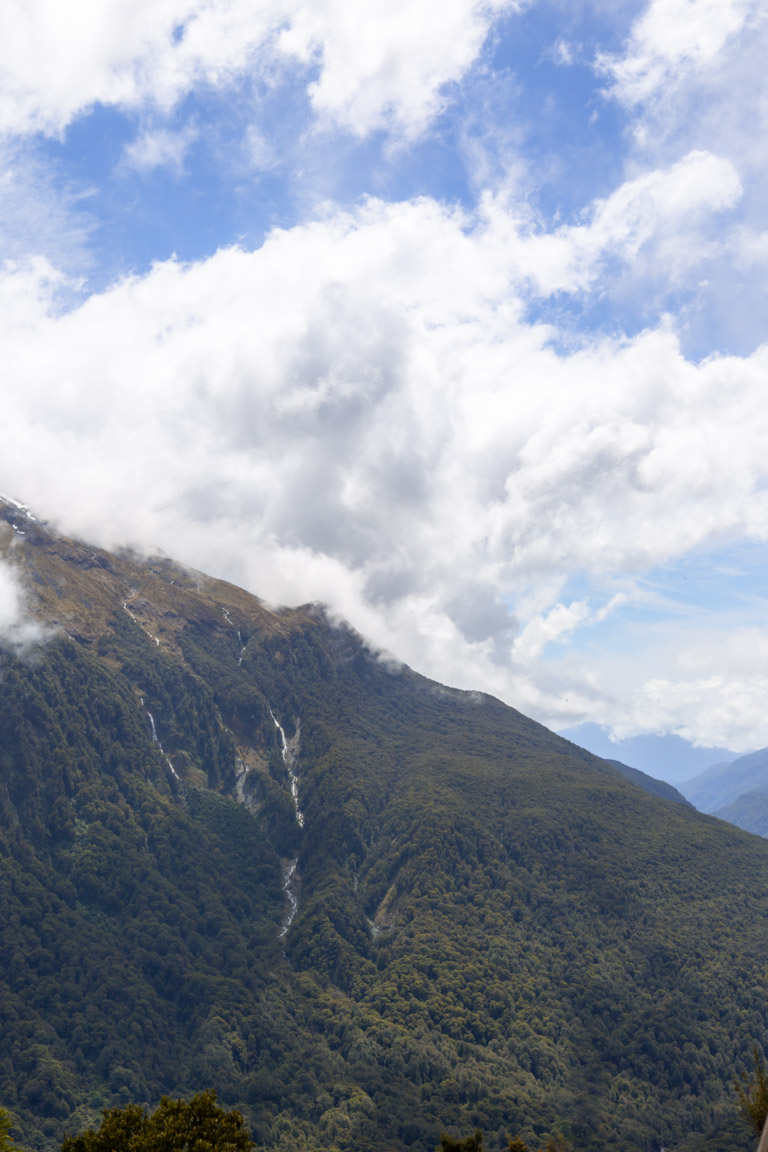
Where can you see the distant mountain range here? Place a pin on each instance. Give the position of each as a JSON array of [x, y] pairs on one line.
[[722, 784], [749, 811], [731, 787], [667, 758], [735, 788], [737, 792], [240, 851]]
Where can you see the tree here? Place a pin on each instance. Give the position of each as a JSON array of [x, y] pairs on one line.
[[470, 1144], [753, 1093], [196, 1125], [6, 1123]]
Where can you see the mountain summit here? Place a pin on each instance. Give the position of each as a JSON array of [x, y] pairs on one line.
[[241, 851]]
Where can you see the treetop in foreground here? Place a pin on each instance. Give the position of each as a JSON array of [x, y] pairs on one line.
[[753, 1093], [196, 1125], [6, 1123]]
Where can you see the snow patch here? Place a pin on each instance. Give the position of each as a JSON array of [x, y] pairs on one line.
[[16, 504]]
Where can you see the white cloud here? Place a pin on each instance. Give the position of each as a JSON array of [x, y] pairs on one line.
[[37, 217], [563, 52], [672, 39], [258, 153], [383, 60], [691, 79], [17, 630], [358, 413], [384, 65], [719, 711], [159, 148], [698, 673], [661, 211], [555, 625], [10, 600]]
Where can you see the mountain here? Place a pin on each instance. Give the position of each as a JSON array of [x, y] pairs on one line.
[[240, 850], [736, 792], [722, 784], [749, 812], [649, 784], [670, 757]]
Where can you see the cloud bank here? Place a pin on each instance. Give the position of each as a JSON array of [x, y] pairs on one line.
[[359, 412], [394, 406]]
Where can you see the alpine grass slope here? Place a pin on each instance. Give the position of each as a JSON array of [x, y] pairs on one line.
[[241, 851]]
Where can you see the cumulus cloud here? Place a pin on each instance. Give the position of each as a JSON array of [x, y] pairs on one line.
[[720, 711], [358, 412], [384, 65], [691, 80], [715, 690], [555, 625], [661, 211], [384, 60], [673, 39], [692, 76], [361, 411]]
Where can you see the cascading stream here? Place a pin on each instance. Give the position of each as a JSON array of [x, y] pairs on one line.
[[289, 749], [230, 621], [290, 878], [126, 602], [134, 592], [156, 739]]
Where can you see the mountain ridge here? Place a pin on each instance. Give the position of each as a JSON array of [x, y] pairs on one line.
[[668, 757], [650, 784], [494, 928], [748, 811], [722, 784]]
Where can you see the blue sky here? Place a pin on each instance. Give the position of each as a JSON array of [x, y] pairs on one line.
[[519, 99], [451, 315]]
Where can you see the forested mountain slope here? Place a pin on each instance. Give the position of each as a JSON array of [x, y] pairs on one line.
[[749, 812], [486, 926], [649, 783]]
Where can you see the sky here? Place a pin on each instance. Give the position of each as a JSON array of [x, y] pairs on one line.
[[451, 315]]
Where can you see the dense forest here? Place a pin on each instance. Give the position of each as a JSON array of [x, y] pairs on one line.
[[241, 851]]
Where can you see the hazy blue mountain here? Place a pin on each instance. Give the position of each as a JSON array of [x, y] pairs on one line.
[[749, 812], [650, 784], [667, 758], [722, 784]]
